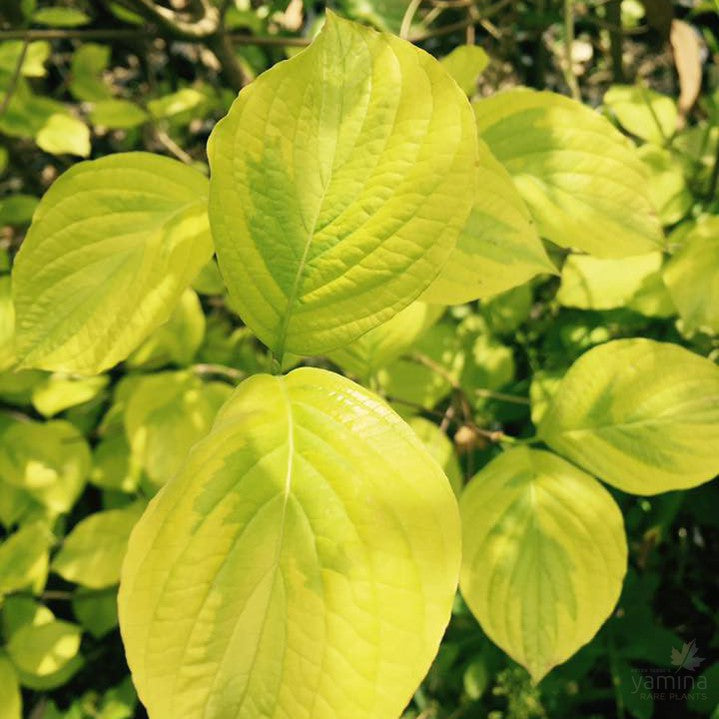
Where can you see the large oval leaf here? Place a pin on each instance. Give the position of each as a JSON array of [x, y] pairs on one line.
[[544, 556], [341, 180], [581, 178], [303, 563], [112, 246], [499, 247], [640, 414]]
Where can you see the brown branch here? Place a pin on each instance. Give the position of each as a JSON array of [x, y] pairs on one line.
[[122, 34], [10, 91], [180, 25]]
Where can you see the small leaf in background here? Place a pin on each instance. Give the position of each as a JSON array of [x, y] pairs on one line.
[[498, 248], [10, 697], [17, 210], [112, 467], [667, 187], [544, 556], [644, 113], [209, 280], [177, 103], [33, 65], [441, 448], [686, 45], [489, 365], [166, 414], [49, 462], [604, 284], [314, 263], [410, 384], [95, 611], [693, 280], [582, 180], [91, 555], [310, 522], [384, 344], [505, 312], [465, 64], [117, 114], [59, 392], [177, 340], [641, 415], [41, 649], [384, 14], [88, 63], [60, 17], [64, 134], [24, 558], [542, 389], [112, 247]]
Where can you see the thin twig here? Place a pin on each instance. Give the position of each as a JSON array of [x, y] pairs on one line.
[[444, 30], [205, 26], [10, 90], [614, 18], [169, 144], [569, 75], [408, 17], [220, 370], [501, 396], [122, 34]]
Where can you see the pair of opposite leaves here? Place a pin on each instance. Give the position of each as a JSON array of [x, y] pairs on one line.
[[346, 183]]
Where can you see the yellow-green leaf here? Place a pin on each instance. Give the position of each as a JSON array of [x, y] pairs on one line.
[[603, 284], [112, 246], [544, 556], [177, 340], [692, 277], [24, 558], [643, 112], [96, 611], [441, 448], [667, 186], [499, 247], [166, 414], [581, 178], [385, 343], [59, 392], [88, 64], [91, 555], [465, 64], [303, 563], [641, 415], [10, 697], [118, 114], [48, 461], [41, 649], [341, 180], [64, 134], [59, 16]]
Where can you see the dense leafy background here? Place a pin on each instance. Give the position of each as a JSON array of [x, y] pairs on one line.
[[87, 453]]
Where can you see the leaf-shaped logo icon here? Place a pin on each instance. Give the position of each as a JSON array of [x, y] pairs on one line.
[[686, 658]]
